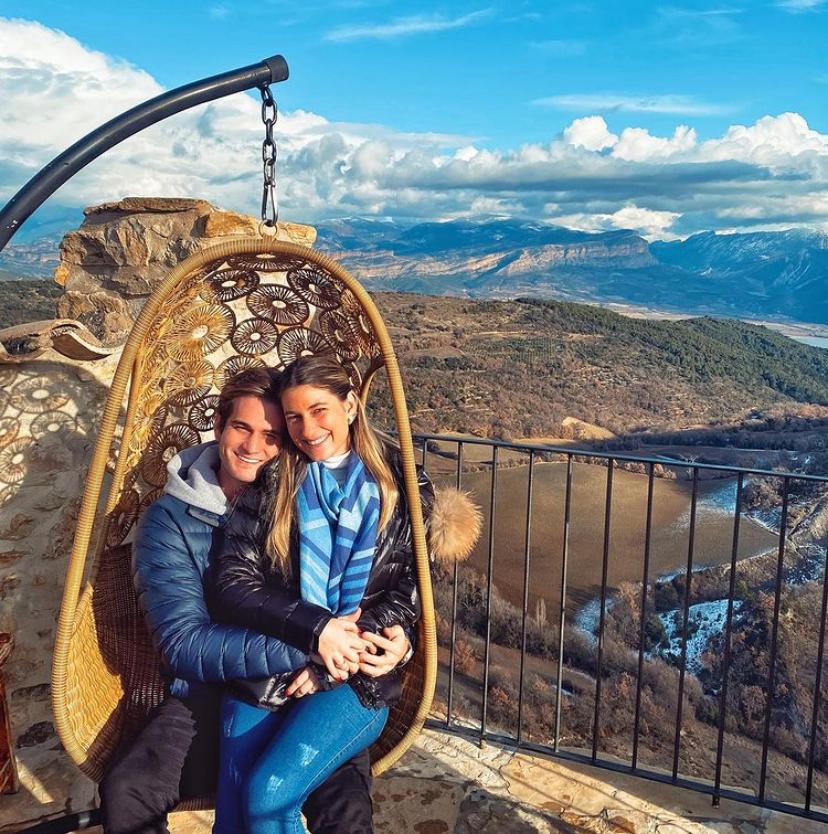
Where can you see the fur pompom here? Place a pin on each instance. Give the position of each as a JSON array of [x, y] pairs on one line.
[[454, 525]]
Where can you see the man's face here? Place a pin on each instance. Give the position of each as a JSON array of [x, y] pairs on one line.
[[251, 436]]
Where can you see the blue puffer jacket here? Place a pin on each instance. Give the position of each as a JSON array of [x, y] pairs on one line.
[[171, 554]]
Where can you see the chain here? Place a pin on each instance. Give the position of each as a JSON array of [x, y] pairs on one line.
[[270, 207]]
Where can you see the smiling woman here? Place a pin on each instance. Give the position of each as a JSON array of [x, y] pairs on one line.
[[326, 421], [331, 523], [318, 420]]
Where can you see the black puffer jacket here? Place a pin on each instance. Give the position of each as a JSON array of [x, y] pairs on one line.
[[245, 588]]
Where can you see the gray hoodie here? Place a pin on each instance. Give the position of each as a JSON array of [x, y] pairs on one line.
[[193, 478]]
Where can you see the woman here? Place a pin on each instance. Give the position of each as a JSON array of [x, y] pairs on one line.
[[330, 569]]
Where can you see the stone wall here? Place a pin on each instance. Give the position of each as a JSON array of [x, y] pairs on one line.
[[48, 414], [49, 409]]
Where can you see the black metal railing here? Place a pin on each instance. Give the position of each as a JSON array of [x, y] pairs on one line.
[[785, 567]]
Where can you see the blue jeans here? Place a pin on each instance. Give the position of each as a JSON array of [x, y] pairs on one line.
[[271, 761]]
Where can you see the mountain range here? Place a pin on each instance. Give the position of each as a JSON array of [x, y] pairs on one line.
[[761, 275], [775, 276]]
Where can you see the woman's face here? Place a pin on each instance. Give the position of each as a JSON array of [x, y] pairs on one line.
[[318, 421]]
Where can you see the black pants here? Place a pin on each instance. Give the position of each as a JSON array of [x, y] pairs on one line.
[[175, 757]]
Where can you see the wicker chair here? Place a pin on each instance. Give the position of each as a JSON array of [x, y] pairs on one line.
[[244, 302]]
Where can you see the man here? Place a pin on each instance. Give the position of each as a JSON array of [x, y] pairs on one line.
[[174, 756]]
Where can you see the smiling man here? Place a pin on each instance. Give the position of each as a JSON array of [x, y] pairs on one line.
[[249, 432], [174, 756]]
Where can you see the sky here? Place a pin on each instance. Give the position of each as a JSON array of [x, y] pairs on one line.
[[666, 118]]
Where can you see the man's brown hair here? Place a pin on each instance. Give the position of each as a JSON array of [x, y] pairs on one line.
[[252, 382]]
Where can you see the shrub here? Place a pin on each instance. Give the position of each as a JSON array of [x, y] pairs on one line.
[[666, 596], [464, 657], [443, 630], [655, 635]]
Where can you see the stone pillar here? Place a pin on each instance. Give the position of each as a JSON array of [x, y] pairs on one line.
[[122, 251]]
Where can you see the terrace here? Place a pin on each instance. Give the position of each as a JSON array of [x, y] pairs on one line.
[[489, 764], [449, 784], [629, 649]]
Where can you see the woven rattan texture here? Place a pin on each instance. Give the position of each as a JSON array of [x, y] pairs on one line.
[[231, 313]]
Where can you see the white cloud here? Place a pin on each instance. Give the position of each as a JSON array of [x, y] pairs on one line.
[[797, 6], [771, 172], [783, 142], [590, 132], [669, 104], [638, 145], [466, 153], [776, 141], [653, 225], [56, 88], [212, 151], [404, 26]]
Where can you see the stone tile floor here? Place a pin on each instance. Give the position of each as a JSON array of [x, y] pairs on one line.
[[447, 785]]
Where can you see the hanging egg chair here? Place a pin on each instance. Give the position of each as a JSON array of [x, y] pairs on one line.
[[244, 302]]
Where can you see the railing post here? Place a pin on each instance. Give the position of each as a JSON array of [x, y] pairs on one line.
[[526, 548], [809, 784], [645, 583], [456, 586], [734, 555], [688, 579], [489, 585], [780, 567], [603, 615], [562, 617]]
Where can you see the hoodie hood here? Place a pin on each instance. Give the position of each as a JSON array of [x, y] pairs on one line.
[[193, 478]]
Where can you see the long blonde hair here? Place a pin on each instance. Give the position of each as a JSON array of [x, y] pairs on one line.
[[326, 373]]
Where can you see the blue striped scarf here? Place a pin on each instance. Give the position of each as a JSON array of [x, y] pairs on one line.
[[337, 535]]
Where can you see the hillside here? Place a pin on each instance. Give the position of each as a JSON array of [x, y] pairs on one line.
[[765, 275], [34, 260], [520, 368], [531, 368], [27, 300]]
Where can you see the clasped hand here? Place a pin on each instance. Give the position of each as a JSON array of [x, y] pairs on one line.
[[384, 651], [340, 645], [344, 650]]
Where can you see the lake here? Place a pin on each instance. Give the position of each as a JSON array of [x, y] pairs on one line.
[[813, 341], [669, 543]]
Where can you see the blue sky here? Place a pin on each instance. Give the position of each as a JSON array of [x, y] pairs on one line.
[[588, 114]]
